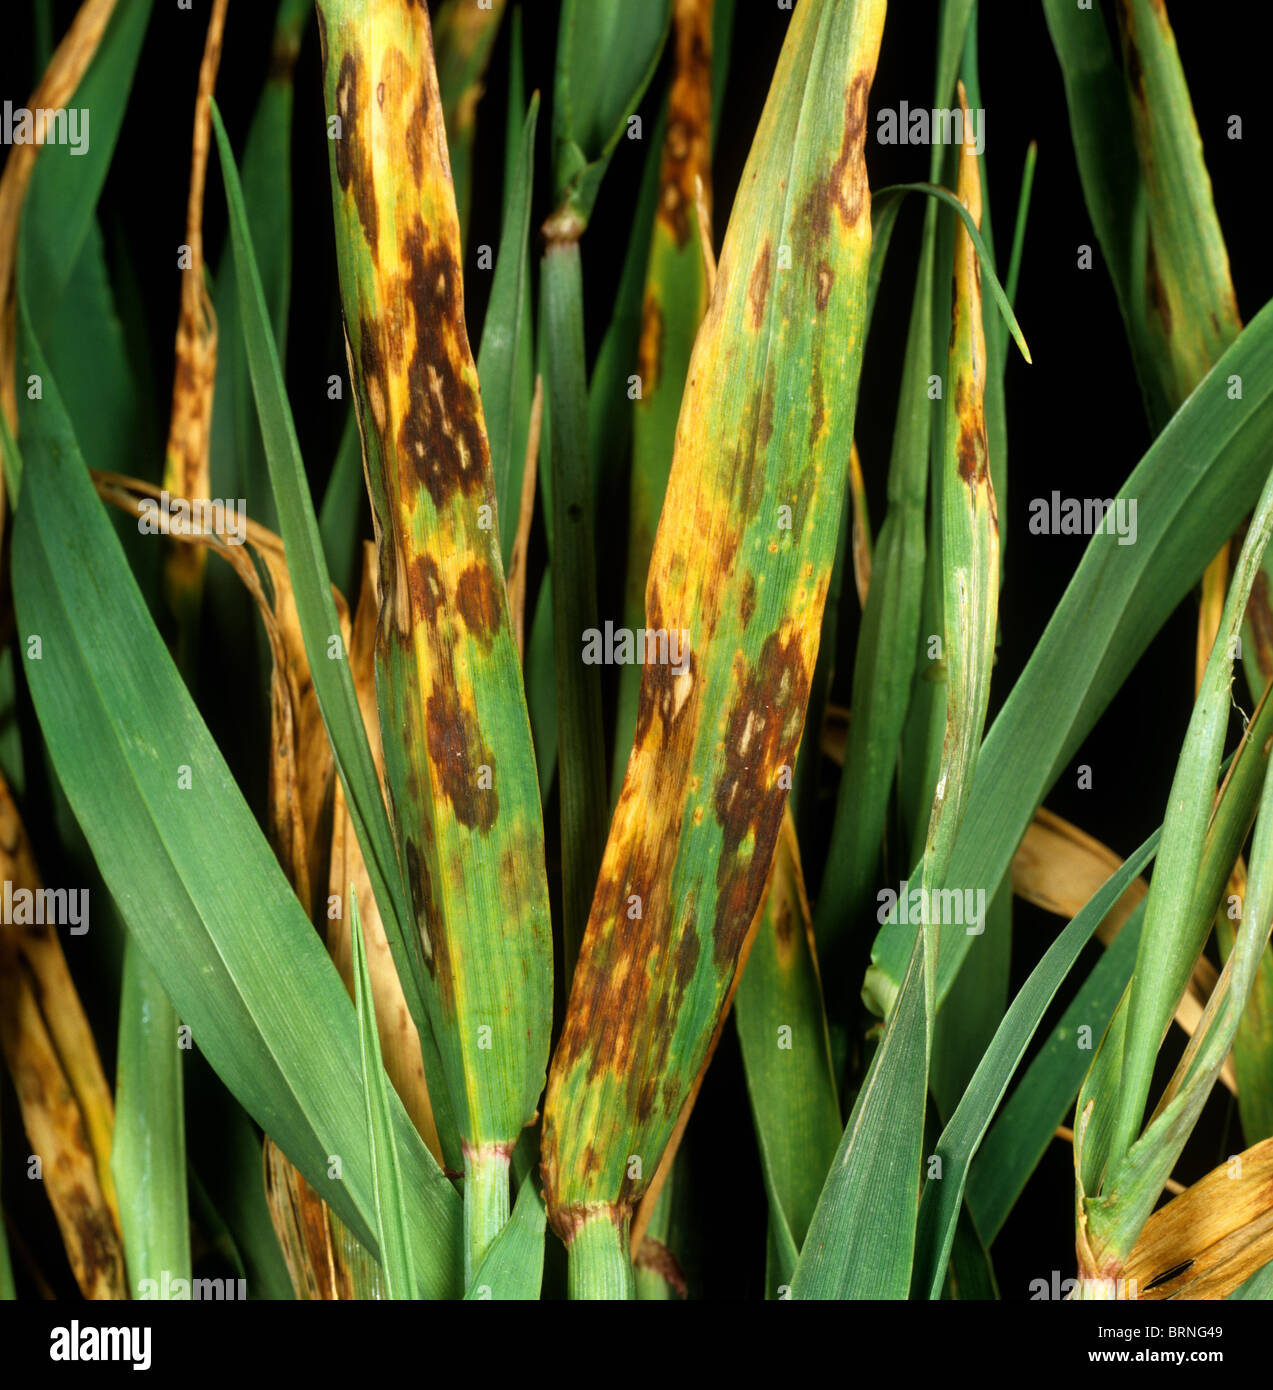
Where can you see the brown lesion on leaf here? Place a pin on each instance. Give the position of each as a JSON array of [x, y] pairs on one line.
[[352, 151], [747, 601], [98, 1263], [1155, 290], [662, 690], [784, 929], [374, 382], [758, 285], [765, 419], [686, 148], [395, 75], [1259, 613], [762, 735], [478, 596], [844, 187], [441, 437], [650, 347], [428, 590], [424, 904], [322, 35], [1131, 51], [417, 132], [646, 1097], [971, 448], [628, 996], [826, 279], [806, 485], [973, 461], [817, 416], [457, 752]]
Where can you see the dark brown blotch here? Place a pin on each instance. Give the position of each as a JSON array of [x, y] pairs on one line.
[[417, 130], [428, 592], [765, 420], [441, 438], [457, 753], [346, 104], [353, 165], [1131, 53], [477, 594], [844, 187], [659, 682], [971, 449], [762, 734]]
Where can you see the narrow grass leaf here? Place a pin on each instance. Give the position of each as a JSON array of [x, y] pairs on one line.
[[235, 953], [861, 1242], [386, 1174], [1192, 487], [942, 1198], [697, 820], [591, 100], [514, 1265], [459, 765], [782, 1028], [676, 294], [1167, 948], [503, 358], [464, 35], [311, 589], [1025, 1126], [148, 1159]]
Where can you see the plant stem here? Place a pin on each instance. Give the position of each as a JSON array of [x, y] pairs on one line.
[[581, 746], [600, 1265], [485, 1203]]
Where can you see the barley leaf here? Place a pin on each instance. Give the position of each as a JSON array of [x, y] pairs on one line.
[[386, 1173], [148, 1158], [311, 588], [459, 765], [1192, 489], [234, 952], [514, 1265], [959, 1141], [861, 1241], [697, 820]]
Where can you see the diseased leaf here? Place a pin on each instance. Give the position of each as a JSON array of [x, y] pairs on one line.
[[696, 823], [458, 760]]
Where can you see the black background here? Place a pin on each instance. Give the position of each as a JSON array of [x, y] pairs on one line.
[[1075, 420]]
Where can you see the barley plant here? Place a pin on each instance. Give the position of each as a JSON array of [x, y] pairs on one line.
[[394, 834]]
